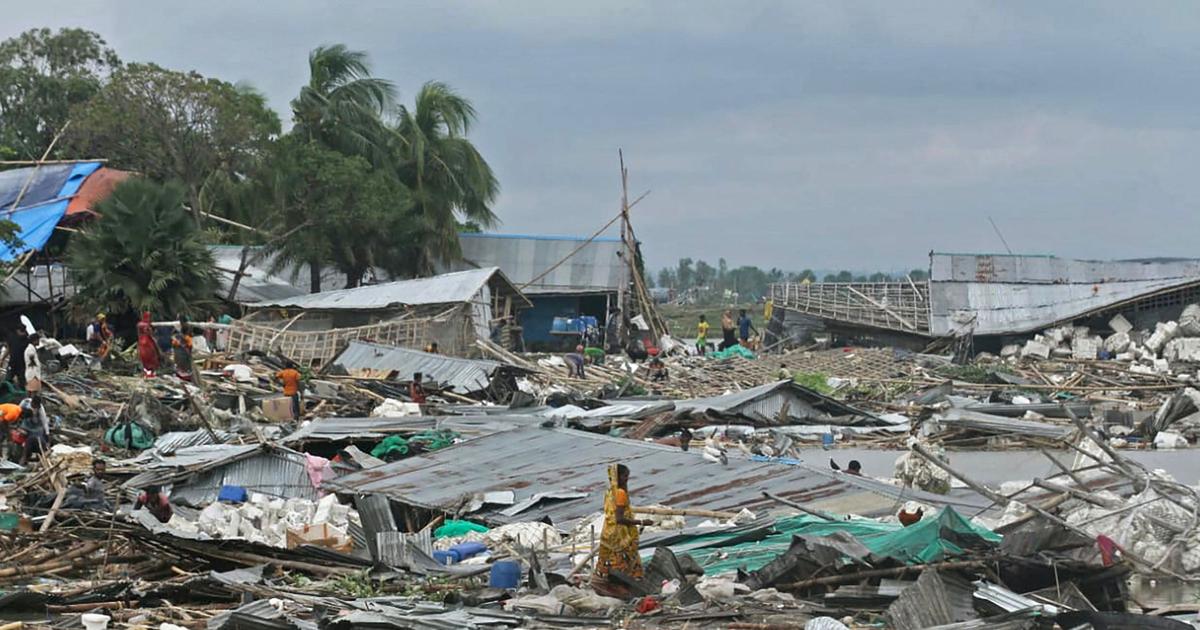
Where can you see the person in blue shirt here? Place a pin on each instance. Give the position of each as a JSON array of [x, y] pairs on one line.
[[744, 328]]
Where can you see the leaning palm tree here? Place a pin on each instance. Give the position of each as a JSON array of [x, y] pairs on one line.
[[342, 105], [447, 178], [144, 253]]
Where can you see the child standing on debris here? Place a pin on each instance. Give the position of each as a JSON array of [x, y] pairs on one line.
[[702, 336], [181, 344], [727, 338], [33, 365], [290, 377], [416, 390], [156, 503]]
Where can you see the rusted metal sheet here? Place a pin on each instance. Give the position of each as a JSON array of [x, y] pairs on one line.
[[545, 460]]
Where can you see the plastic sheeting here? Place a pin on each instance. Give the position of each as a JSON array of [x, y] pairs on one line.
[[928, 540], [44, 203]]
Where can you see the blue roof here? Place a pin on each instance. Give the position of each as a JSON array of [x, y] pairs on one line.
[[44, 203]]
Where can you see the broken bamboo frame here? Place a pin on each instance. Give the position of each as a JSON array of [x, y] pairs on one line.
[[874, 573], [683, 512], [793, 504]]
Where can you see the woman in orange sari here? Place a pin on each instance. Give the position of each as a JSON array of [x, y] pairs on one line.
[[619, 538], [148, 350]]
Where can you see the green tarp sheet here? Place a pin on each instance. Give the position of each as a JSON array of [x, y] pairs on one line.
[[928, 540]]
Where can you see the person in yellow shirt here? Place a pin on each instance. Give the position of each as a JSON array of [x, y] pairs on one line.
[[290, 377], [702, 335]]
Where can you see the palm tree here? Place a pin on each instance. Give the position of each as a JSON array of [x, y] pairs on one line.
[[447, 177], [342, 105], [144, 253]]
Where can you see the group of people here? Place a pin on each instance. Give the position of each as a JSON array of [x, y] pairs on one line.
[[732, 332], [27, 427], [150, 351]]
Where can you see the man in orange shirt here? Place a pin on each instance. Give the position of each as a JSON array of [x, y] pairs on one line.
[[290, 377]]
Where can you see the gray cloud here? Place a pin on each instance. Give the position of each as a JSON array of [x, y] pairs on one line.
[[848, 134]]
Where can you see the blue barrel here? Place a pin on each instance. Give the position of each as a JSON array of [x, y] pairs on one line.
[[505, 574], [465, 550], [444, 557], [826, 440]]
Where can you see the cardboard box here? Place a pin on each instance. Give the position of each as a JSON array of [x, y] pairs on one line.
[[277, 409]]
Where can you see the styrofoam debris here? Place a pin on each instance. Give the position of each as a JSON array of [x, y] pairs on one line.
[[1119, 324], [720, 589], [1117, 342], [391, 408], [1163, 332], [1182, 349], [1169, 440], [1035, 349], [1011, 350]]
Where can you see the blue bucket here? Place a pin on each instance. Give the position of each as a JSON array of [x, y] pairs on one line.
[[505, 574]]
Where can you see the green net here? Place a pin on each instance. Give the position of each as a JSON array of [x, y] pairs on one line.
[[129, 435], [732, 351], [454, 529], [928, 540], [391, 445]]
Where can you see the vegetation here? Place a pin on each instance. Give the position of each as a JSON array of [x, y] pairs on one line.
[[720, 284], [43, 74], [144, 253], [359, 183], [170, 125]]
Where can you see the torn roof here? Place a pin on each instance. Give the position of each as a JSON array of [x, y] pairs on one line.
[[41, 195], [197, 473], [536, 460], [592, 266], [258, 283], [449, 288], [362, 358], [352, 429], [765, 403]]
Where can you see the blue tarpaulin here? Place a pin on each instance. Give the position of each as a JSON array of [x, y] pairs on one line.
[[43, 204]]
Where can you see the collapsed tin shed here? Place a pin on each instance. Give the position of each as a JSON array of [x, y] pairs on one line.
[[537, 468]]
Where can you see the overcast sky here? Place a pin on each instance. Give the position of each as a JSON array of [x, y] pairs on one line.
[[842, 134]]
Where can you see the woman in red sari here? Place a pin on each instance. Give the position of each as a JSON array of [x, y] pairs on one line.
[[148, 350]]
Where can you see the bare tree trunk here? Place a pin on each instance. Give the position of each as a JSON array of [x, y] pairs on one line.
[[314, 277]]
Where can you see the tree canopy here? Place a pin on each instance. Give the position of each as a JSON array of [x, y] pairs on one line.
[[43, 74], [144, 253], [171, 125]]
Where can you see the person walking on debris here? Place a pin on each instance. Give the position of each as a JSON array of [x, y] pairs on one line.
[[416, 389], [290, 377], [11, 415], [432, 348], [33, 365], [727, 337], [745, 325], [156, 503], [35, 428], [148, 351], [17, 340], [657, 369], [702, 335], [574, 361], [619, 537], [181, 345], [99, 336]]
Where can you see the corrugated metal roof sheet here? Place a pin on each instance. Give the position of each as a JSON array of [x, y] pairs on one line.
[[764, 404], [1014, 294], [362, 358], [198, 472], [450, 288], [339, 429], [596, 267], [258, 283], [542, 460]]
